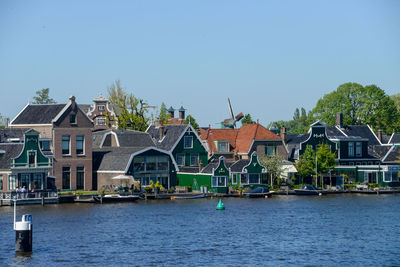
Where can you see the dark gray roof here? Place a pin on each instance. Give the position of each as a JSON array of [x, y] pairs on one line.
[[85, 107], [393, 155], [395, 139], [378, 152], [362, 131], [7, 133], [113, 158], [214, 164], [38, 114], [239, 165], [129, 138], [11, 151], [171, 135], [188, 169], [98, 137], [386, 138]]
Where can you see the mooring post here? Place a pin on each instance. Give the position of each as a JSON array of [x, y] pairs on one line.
[[23, 231]]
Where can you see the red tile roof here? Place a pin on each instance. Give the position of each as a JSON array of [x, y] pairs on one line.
[[241, 139]]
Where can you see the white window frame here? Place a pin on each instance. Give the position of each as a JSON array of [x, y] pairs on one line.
[[35, 158], [350, 151], [83, 145], [216, 177], [248, 178], [184, 142], [69, 145], [195, 155], [223, 143], [182, 155], [99, 121], [101, 107], [12, 182], [358, 149]]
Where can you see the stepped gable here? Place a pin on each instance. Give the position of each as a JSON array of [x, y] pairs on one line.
[[8, 152], [38, 114], [250, 132], [171, 134]]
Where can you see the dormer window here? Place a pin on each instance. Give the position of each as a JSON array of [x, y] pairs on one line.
[[72, 118], [101, 107], [188, 142], [358, 149], [223, 146]]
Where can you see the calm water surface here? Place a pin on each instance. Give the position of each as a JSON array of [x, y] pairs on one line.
[[280, 231]]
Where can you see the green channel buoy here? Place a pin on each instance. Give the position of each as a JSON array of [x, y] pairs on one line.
[[220, 205]]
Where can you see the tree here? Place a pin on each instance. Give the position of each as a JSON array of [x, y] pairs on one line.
[[300, 123], [163, 116], [133, 111], [192, 121], [247, 120], [325, 159], [396, 99], [360, 106], [42, 97], [306, 164], [2, 121], [273, 164]]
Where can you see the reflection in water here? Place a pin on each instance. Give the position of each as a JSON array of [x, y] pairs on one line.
[[283, 230]]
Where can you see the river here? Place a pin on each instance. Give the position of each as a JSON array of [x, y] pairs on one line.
[[332, 230]]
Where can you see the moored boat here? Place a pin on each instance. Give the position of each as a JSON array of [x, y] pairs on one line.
[[258, 192], [115, 198], [310, 190], [188, 196]]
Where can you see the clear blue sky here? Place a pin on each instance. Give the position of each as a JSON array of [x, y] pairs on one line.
[[269, 57]]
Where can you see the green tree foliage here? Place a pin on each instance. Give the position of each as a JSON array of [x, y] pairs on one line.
[[325, 159], [273, 164], [42, 97], [133, 111], [396, 99], [163, 116], [306, 164], [192, 121], [300, 123], [247, 120], [360, 106]]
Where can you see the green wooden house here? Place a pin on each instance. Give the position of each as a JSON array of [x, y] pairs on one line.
[[31, 168], [248, 173], [184, 144], [215, 176]]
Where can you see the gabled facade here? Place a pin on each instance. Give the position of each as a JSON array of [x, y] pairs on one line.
[[248, 172], [102, 114], [134, 154], [184, 144], [241, 143], [72, 146], [359, 152]]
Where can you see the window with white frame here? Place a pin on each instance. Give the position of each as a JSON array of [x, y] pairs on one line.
[[32, 158], [351, 149], [194, 159], [234, 178], [358, 149], [188, 142], [66, 145], [37, 181], [387, 177], [270, 150], [180, 159], [12, 185], [243, 178], [101, 107], [223, 146], [80, 141], [101, 121], [219, 181]]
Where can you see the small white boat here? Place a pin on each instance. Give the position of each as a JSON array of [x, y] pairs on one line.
[[189, 196]]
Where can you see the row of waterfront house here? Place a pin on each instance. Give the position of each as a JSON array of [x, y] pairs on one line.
[[78, 147]]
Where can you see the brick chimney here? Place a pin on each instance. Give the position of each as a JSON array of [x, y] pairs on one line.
[[283, 133], [380, 135], [339, 119], [171, 112], [181, 113], [73, 104], [161, 131]]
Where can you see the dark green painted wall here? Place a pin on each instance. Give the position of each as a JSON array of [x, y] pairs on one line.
[[197, 148]]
